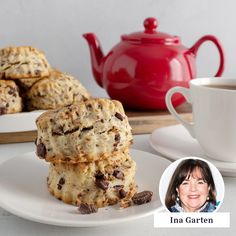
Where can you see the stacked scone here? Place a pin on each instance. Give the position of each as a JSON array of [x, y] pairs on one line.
[[87, 145], [27, 82]]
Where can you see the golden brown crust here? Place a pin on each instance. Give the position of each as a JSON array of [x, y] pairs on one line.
[[76, 184], [81, 158], [23, 62], [87, 131], [57, 90]]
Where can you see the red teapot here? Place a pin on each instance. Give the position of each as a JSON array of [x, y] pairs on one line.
[[143, 66]]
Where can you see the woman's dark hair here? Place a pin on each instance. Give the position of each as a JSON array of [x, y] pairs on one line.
[[184, 171]]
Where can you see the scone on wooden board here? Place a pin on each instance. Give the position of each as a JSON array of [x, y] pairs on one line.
[[23, 62], [10, 101], [101, 183], [55, 91], [87, 131]]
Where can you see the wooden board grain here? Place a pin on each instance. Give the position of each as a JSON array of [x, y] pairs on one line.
[[146, 124], [18, 137], [142, 122]]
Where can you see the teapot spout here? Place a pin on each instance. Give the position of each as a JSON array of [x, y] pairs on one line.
[[96, 56]]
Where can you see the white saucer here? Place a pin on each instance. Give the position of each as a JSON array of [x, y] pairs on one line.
[[23, 192], [174, 142]]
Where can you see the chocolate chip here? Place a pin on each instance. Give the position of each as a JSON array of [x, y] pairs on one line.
[[89, 106], [117, 138], [142, 197], [41, 150], [71, 131], [37, 72], [3, 110], [85, 208], [122, 193], [118, 186], [87, 128], [118, 174], [100, 106], [59, 187], [119, 116], [99, 175], [12, 91], [62, 181], [102, 183], [60, 131]]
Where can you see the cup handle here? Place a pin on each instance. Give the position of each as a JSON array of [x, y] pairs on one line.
[[185, 92], [214, 40]]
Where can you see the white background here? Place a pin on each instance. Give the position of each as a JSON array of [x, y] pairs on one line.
[[56, 26]]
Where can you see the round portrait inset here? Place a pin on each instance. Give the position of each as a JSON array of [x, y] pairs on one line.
[[191, 184]]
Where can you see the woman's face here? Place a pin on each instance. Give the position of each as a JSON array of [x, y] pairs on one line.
[[193, 191]]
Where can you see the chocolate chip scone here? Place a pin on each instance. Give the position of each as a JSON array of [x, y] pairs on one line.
[[87, 131], [57, 90], [101, 183], [10, 101], [26, 83], [23, 62]]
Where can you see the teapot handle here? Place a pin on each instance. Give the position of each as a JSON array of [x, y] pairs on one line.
[[213, 39]]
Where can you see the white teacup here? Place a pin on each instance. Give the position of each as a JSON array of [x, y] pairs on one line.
[[214, 115]]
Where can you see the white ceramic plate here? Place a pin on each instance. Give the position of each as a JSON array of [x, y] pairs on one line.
[[23, 192], [174, 142], [19, 122]]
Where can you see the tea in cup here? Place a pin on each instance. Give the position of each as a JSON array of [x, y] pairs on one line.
[[214, 115]]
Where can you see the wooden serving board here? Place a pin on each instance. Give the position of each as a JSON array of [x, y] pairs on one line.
[[142, 122], [145, 122], [18, 137]]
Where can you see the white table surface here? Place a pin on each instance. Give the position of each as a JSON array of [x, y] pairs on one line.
[[13, 225]]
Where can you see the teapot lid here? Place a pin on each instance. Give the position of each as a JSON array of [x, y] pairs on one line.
[[150, 34]]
